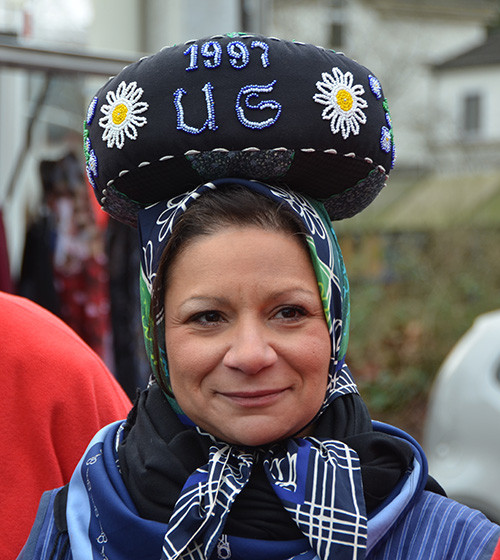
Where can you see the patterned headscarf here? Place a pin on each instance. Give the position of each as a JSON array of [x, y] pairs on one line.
[[155, 227], [318, 481]]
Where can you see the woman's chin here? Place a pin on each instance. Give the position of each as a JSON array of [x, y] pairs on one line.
[[256, 432]]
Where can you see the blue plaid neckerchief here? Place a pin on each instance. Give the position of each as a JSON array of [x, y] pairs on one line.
[[318, 481]]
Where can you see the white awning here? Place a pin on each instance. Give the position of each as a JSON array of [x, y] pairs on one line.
[[59, 61]]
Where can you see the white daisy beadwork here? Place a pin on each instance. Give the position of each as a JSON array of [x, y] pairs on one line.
[[91, 110], [343, 100], [122, 114], [90, 177], [92, 164], [375, 86], [385, 139]]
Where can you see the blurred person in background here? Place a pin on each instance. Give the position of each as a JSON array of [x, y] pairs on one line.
[[57, 394]]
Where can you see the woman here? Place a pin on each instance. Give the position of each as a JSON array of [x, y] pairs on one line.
[[252, 441]]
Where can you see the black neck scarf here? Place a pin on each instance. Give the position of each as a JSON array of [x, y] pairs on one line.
[[158, 453]]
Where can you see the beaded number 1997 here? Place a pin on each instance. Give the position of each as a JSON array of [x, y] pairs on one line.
[[238, 53]]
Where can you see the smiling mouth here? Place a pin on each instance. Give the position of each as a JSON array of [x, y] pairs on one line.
[[251, 399]]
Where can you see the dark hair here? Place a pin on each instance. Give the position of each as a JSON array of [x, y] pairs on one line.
[[231, 205]]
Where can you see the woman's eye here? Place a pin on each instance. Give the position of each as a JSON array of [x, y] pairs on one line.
[[207, 317], [291, 313]]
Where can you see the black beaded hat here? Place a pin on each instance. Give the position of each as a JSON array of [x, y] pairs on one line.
[[238, 105]]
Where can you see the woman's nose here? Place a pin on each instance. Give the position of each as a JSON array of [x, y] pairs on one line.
[[250, 350]]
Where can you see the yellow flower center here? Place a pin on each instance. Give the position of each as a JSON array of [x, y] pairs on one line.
[[344, 100], [119, 113]]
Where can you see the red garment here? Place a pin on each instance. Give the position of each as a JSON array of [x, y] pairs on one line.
[[496, 554], [57, 394], [83, 296]]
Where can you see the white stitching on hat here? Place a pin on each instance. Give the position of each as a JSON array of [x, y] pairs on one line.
[[330, 151], [144, 163]]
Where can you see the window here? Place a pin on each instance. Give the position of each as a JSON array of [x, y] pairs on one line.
[[336, 37], [336, 30], [472, 114]]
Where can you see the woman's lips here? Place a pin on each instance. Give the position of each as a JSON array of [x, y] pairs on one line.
[[252, 399]]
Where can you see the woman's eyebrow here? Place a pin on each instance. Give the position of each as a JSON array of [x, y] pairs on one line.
[[293, 291], [212, 300], [218, 300]]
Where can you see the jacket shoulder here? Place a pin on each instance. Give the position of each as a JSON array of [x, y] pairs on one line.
[[438, 528]]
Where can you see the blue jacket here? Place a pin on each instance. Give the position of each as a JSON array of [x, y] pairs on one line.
[[412, 524]]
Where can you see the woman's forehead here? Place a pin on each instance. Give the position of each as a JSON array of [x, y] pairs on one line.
[[239, 248]]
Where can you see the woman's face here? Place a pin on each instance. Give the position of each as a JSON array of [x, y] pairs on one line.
[[247, 342]]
